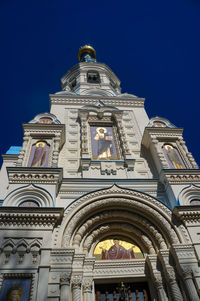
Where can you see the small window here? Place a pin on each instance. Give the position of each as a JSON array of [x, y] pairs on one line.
[[29, 203], [73, 83], [45, 120], [195, 202], [93, 77]]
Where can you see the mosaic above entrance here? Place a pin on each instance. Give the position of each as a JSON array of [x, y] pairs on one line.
[[116, 249]]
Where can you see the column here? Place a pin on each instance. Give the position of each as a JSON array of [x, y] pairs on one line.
[[65, 287], [190, 287], [174, 288], [159, 288], [87, 289], [76, 288]]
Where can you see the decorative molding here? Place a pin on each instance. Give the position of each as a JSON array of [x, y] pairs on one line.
[[62, 257], [114, 197], [190, 215], [43, 175], [29, 192], [118, 268], [189, 193], [180, 176], [85, 100], [22, 217]]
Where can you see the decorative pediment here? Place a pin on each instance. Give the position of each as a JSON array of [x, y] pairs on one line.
[[29, 193], [160, 122], [99, 109], [45, 118]]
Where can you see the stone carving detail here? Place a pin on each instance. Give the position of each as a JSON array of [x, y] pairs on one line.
[[87, 285], [76, 280], [158, 281], [186, 271], [133, 102], [65, 278], [141, 222], [119, 199], [20, 250]]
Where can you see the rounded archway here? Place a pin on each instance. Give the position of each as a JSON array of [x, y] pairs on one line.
[[121, 214]]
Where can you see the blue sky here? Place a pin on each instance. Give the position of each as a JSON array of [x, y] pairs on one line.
[[152, 46]]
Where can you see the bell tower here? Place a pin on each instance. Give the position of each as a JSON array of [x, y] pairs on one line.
[[89, 77]]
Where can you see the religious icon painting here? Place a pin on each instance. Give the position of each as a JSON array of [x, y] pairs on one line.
[[103, 143], [172, 156], [17, 289], [111, 249], [39, 154]]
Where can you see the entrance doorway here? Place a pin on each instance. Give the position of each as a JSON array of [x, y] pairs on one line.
[[122, 291]]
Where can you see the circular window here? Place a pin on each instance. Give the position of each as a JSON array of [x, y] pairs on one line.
[[195, 202], [29, 203]]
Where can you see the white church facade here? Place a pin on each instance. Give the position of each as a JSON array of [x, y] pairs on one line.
[[100, 203]]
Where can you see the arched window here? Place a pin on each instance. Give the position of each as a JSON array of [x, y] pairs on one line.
[[29, 203], [46, 120], [39, 155], [172, 156], [195, 202]]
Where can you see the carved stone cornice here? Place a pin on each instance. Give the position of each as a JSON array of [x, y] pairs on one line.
[[116, 268], [151, 133], [44, 175], [49, 130], [190, 215], [86, 100], [23, 217], [180, 176], [62, 257]]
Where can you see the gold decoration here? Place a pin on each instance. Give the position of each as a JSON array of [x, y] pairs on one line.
[[86, 48], [14, 293], [106, 244], [40, 144]]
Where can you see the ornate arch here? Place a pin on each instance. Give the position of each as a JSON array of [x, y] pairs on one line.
[[141, 218], [29, 192]]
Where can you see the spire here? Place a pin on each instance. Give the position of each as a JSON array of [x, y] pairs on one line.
[[87, 54]]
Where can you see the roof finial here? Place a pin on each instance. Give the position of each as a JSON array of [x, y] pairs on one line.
[[87, 54]]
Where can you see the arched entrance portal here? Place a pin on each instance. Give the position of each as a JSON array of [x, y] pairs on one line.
[[146, 262]]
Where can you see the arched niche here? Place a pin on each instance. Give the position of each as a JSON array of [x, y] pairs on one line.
[[27, 193], [113, 211], [189, 194], [172, 156]]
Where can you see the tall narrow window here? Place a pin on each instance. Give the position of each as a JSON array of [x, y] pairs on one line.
[[39, 155], [172, 156]]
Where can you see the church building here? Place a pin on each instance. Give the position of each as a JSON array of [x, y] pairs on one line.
[[100, 203]]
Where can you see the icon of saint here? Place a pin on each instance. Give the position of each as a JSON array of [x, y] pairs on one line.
[[40, 154], [104, 143], [173, 156], [14, 293], [117, 252]]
